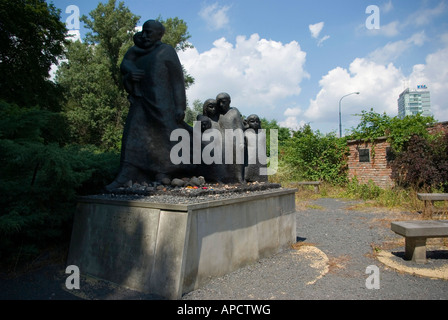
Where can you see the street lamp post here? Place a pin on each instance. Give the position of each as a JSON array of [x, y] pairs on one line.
[[340, 122]]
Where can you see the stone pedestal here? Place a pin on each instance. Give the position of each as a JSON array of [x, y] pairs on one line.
[[415, 249], [171, 249]]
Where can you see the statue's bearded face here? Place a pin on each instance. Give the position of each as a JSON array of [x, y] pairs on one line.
[[150, 35]]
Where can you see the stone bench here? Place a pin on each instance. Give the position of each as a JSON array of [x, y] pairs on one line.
[[429, 199], [316, 184], [416, 232]]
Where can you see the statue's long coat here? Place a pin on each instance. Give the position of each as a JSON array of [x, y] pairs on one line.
[[152, 116]]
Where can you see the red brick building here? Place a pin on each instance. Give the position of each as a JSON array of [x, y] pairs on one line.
[[367, 162]]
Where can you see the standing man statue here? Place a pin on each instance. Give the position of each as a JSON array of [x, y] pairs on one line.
[[230, 120], [153, 77]]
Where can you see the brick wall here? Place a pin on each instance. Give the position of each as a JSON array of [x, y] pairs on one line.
[[376, 169]]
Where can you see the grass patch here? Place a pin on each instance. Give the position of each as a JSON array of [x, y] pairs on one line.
[[398, 199], [372, 196]]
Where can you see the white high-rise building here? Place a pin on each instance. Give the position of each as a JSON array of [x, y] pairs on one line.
[[411, 102]]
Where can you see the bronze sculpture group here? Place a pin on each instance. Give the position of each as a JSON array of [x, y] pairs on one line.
[[153, 78]]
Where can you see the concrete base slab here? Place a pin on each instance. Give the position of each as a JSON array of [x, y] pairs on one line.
[[171, 249]]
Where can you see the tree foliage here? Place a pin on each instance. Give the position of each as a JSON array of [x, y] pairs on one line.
[[97, 103], [398, 131], [283, 133], [192, 113], [40, 179], [315, 156], [96, 107], [420, 157], [31, 40], [112, 29], [176, 33], [423, 163]]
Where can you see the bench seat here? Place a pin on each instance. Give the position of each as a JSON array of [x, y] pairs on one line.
[[428, 199], [416, 232], [433, 196]]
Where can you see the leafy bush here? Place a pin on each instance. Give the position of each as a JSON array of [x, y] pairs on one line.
[[420, 158], [315, 156], [398, 131], [423, 164], [374, 125], [367, 191], [40, 180]]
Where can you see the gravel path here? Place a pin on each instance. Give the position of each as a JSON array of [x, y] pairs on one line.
[[334, 266], [336, 241]]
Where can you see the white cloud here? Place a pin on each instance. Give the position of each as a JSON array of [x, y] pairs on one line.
[[292, 123], [379, 85], [425, 16], [319, 43], [293, 111], [257, 73], [388, 30], [392, 50], [291, 120], [215, 16], [419, 18], [434, 73], [315, 29]]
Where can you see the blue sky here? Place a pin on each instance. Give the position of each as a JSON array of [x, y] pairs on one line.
[[292, 60]]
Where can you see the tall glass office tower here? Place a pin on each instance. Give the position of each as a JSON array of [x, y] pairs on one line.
[[411, 102]]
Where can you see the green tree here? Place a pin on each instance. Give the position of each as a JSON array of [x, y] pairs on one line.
[[374, 125], [97, 103], [315, 156], [40, 172], [31, 40], [96, 106], [112, 29], [177, 35], [420, 158], [283, 133], [192, 113], [39, 181]]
